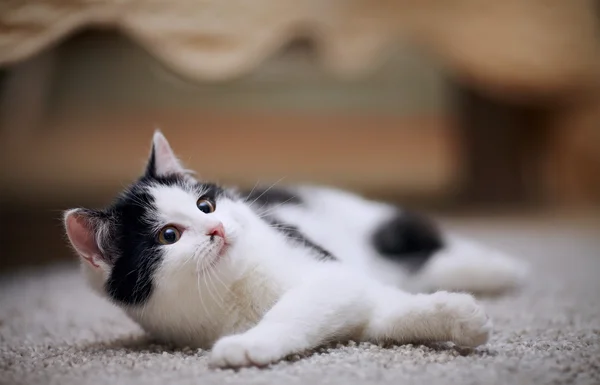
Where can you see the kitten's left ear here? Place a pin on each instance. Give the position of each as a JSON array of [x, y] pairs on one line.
[[162, 159], [86, 230]]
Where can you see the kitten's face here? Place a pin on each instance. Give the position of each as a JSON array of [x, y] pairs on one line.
[[166, 229]]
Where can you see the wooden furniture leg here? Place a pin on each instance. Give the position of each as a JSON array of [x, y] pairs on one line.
[[503, 148]]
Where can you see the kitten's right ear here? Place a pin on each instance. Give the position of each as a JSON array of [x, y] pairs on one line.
[[162, 160], [85, 228]]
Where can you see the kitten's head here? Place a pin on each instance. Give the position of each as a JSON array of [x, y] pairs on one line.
[[165, 228]]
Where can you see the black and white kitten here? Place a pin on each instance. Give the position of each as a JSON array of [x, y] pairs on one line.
[[261, 275]]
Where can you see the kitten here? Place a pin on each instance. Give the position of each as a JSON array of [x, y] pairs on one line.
[[261, 275]]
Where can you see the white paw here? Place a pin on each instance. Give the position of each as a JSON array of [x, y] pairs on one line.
[[244, 350], [469, 325]]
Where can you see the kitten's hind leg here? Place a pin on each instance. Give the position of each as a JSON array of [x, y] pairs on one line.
[[438, 317], [466, 266]]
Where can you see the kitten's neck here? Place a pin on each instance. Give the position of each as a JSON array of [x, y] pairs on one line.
[[266, 250], [260, 265]]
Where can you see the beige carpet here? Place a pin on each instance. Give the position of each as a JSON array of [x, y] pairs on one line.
[[54, 331]]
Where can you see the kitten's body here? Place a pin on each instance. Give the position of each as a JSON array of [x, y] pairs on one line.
[[392, 245], [261, 275]]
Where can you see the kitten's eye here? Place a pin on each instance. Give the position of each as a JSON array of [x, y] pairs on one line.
[[169, 235], [206, 205]]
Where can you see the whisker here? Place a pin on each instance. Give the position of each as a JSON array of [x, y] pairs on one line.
[[221, 282], [251, 191], [208, 284], [264, 192], [190, 257], [198, 276], [222, 302], [210, 272], [206, 271], [273, 208]]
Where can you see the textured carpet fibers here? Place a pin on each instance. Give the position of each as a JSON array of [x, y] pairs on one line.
[[53, 330]]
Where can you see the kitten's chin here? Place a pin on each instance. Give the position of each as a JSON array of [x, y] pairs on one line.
[[224, 250], [214, 257]]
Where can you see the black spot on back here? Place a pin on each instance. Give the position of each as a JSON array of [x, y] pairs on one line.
[[408, 238], [270, 196], [295, 234]]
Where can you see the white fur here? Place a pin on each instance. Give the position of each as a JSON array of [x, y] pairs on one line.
[[343, 223], [266, 298], [467, 266]]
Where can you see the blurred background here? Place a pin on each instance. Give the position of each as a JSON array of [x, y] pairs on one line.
[[471, 109]]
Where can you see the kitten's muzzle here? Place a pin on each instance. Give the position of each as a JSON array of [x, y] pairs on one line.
[[217, 231]]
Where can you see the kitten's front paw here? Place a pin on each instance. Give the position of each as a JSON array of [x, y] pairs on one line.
[[470, 326], [244, 350]]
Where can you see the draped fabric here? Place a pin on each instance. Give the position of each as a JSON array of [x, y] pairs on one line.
[[536, 45]]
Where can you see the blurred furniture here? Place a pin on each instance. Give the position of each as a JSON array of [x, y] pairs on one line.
[[539, 46], [385, 132], [514, 66]]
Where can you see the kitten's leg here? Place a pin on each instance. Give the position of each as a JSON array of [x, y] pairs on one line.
[[466, 266], [438, 317], [325, 307], [341, 306]]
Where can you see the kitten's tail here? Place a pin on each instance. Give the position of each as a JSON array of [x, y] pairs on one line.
[[465, 266]]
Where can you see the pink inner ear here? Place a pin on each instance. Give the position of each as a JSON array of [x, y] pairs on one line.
[[165, 160], [83, 237]]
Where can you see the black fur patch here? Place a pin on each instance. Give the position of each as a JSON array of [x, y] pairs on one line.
[[408, 238], [270, 196], [294, 233], [130, 281]]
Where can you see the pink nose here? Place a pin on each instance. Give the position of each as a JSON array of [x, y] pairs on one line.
[[218, 230]]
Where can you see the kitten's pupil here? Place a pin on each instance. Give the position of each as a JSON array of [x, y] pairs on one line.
[[206, 205], [170, 235]]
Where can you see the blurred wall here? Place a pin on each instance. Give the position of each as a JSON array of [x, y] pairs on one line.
[[77, 121], [388, 131]]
